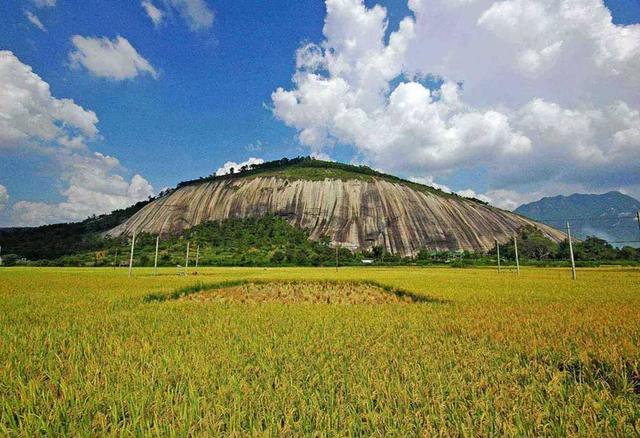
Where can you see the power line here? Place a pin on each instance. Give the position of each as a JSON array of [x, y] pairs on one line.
[[584, 219], [624, 241]]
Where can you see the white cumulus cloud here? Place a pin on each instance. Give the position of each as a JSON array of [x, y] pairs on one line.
[[32, 121], [93, 186], [509, 199], [470, 193], [28, 111], [155, 14], [196, 13], [429, 181], [460, 85], [511, 51], [233, 167], [35, 21], [112, 59]]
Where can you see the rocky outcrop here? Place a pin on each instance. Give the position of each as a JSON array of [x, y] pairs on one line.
[[355, 213]]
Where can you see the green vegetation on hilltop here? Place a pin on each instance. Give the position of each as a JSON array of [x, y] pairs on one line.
[[309, 168], [316, 173]]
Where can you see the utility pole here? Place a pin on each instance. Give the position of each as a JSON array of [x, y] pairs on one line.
[[336, 256], [197, 257], [638, 220], [186, 264], [155, 263], [515, 247], [573, 262], [133, 244], [115, 262], [498, 253]]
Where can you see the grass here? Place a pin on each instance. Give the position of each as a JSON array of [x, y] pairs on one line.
[[312, 173], [296, 292], [294, 288], [317, 174], [306, 168], [82, 353]]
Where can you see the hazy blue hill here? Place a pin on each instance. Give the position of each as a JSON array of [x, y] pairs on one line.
[[610, 216]]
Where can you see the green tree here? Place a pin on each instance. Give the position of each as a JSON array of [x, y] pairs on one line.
[[629, 253], [594, 248], [535, 245], [278, 257]]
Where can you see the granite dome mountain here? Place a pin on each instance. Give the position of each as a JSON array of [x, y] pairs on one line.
[[354, 206]]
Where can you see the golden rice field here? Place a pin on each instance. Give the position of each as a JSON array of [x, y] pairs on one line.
[[83, 353], [296, 292]]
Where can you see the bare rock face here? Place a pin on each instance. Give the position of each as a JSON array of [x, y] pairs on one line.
[[353, 213]]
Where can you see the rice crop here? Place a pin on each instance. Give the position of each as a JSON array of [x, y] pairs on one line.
[[292, 292], [86, 352]]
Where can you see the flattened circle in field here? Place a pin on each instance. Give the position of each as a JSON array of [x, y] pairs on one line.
[[312, 292]]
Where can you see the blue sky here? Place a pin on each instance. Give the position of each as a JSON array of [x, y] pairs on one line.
[[207, 105], [211, 99]]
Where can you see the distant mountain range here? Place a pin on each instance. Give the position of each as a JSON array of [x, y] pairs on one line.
[[610, 216]]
